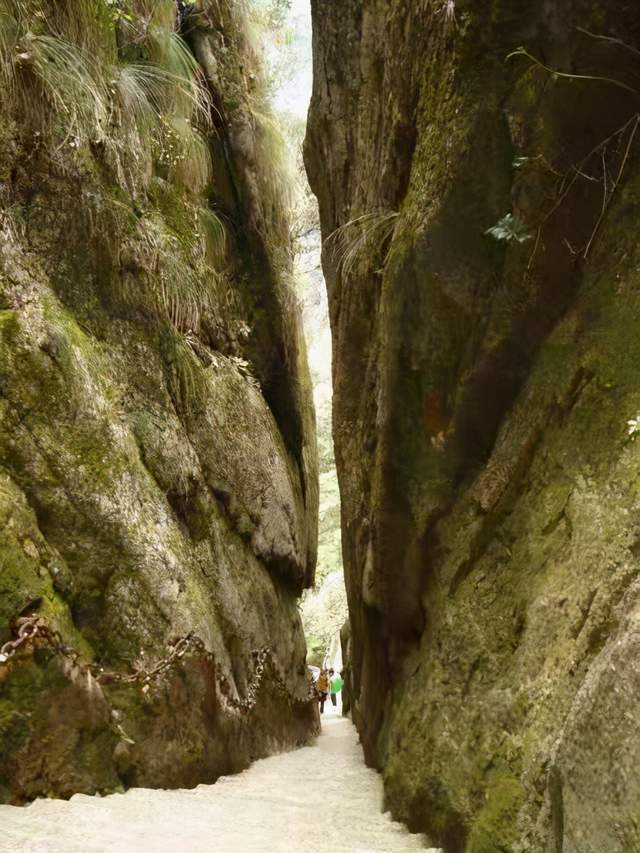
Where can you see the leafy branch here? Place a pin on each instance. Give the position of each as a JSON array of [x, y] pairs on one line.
[[509, 229]]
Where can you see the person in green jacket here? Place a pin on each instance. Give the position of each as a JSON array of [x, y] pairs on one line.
[[335, 680]]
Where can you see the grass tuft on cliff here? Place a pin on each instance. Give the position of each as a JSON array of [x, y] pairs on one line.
[[45, 72], [362, 237], [119, 76], [92, 75], [111, 86]]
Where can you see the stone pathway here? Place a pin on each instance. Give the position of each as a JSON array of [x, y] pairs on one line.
[[319, 799]]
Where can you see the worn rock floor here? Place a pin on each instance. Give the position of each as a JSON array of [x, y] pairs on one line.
[[319, 799]]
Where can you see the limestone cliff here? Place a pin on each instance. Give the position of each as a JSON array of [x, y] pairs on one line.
[[480, 216], [158, 474]]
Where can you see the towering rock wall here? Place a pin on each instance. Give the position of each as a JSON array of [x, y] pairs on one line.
[[483, 384], [158, 475]]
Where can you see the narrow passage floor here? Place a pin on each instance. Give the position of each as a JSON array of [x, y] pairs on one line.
[[319, 799]]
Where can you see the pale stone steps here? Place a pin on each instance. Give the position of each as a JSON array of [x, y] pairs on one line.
[[319, 799]]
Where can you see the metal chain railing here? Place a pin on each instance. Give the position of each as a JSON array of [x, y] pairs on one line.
[[30, 628]]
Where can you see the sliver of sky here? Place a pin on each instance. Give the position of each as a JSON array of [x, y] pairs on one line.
[[294, 93]]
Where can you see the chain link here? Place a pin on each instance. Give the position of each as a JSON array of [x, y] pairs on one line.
[[31, 627], [27, 630]]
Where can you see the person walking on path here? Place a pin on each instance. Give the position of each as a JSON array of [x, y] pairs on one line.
[[323, 685], [335, 685]]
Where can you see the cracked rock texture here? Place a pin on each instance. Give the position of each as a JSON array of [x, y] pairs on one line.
[[158, 470], [483, 386]]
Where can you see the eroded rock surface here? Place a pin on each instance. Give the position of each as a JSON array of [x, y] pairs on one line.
[[158, 473], [483, 385]]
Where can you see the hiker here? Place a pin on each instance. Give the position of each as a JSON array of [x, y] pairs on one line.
[[335, 686], [323, 686]]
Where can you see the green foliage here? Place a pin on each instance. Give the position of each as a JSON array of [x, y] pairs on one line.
[[272, 12], [278, 38], [304, 207], [118, 73], [12, 224], [185, 151], [45, 72], [155, 13], [169, 93], [167, 50], [277, 177], [281, 181], [117, 12], [187, 378], [60, 66], [133, 88], [69, 77], [324, 611], [117, 76], [87, 24], [316, 650], [182, 91], [362, 238], [215, 235], [180, 293], [509, 229]]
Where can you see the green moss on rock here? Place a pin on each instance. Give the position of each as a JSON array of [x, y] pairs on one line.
[[494, 829]]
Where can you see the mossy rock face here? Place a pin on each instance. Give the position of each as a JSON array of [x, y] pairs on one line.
[[482, 393], [494, 827], [150, 484]]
